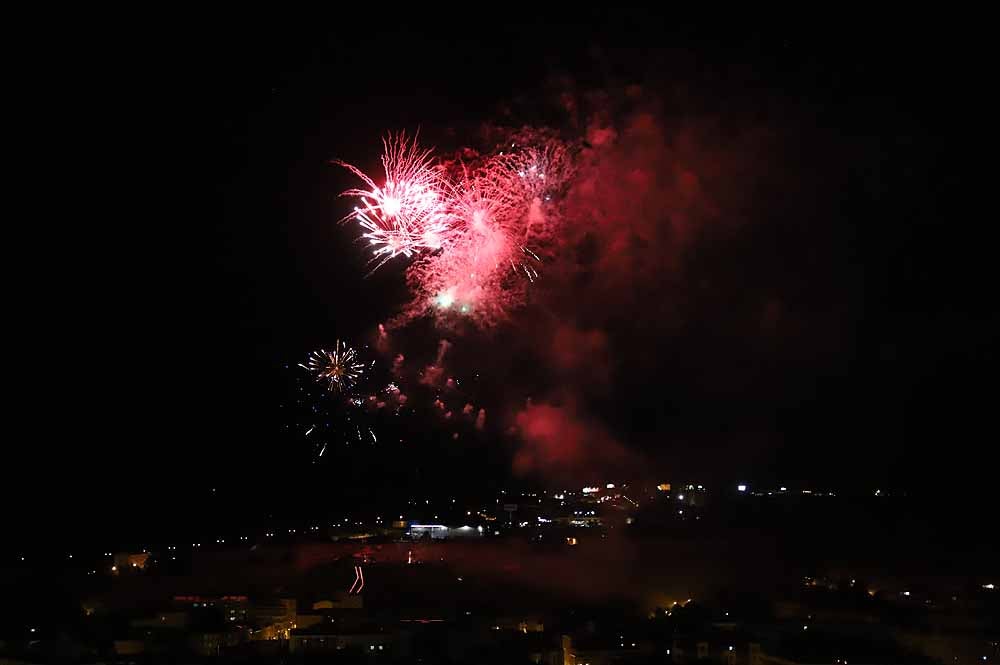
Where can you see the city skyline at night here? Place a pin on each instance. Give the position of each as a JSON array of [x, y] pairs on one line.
[[580, 336]]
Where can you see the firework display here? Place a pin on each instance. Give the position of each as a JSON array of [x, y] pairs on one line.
[[339, 368], [385, 402], [474, 226], [475, 229], [409, 213]]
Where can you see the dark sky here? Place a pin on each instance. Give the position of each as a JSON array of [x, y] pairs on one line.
[[831, 321]]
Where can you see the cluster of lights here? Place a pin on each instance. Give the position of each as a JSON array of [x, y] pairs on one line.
[[445, 299]]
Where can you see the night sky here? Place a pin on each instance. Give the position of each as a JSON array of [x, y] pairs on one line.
[[814, 309]]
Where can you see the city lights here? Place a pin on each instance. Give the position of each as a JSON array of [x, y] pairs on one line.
[[582, 511]]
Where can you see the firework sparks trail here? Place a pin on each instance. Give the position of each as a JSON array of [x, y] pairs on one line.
[[443, 347], [359, 577]]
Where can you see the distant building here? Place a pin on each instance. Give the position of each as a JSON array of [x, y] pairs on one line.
[[275, 610], [580, 520], [416, 531], [340, 602], [213, 643], [692, 495], [273, 619], [721, 647], [329, 639], [124, 561], [232, 608], [163, 620], [600, 651], [520, 624], [433, 531]]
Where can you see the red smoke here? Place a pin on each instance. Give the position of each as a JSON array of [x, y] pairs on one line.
[[555, 441], [574, 349]]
